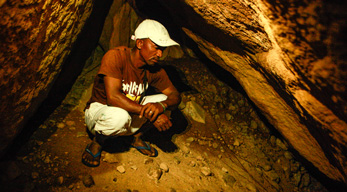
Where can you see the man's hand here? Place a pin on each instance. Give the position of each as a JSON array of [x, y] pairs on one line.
[[151, 111], [162, 123]]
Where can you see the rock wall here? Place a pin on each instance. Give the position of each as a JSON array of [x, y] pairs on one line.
[[288, 56], [36, 38]]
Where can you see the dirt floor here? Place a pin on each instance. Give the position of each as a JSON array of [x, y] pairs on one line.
[[217, 143]]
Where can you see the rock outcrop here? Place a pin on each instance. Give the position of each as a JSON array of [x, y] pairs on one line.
[[36, 38], [288, 57]]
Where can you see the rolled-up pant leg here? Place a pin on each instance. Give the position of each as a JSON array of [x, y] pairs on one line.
[[114, 121]]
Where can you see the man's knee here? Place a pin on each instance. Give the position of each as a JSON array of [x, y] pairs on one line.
[[113, 122]]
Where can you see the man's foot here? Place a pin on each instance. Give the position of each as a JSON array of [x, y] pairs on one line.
[[144, 147], [91, 155]]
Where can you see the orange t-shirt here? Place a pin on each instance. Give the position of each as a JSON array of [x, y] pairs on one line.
[[116, 63]]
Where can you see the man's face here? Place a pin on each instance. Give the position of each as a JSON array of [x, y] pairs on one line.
[[151, 52]]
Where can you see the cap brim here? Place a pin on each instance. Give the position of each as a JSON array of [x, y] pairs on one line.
[[167, 43]]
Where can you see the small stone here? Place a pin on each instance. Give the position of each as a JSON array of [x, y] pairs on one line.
[[47, 160], [241, 102], [60, 180], [114, 179], [305, 180], [121, 169], [39, 142], [253, 124], [267, 167], [200, 158], [295, 167], [185, 149], [88, 181], [280, 144], [110, 158], [181, 106], [251, 187], [60, 125], [148, 161], [155, 173], [190, 139], [273, 141], [288, 155], [134, 167], [274, 176], [192, 163], [164, 167], [297, 179], [229, 180], [206, 171], [225, 170], [177, 160], [228, 116], [215, 145], [71, 186], [236, 142]]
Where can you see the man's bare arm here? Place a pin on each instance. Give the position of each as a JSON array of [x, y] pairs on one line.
[[115, 96], [152, 110]]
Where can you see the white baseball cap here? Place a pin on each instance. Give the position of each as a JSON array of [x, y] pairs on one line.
[[154, 31]]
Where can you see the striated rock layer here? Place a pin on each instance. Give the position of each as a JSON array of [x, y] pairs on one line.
[[36, 38], [288, 56]]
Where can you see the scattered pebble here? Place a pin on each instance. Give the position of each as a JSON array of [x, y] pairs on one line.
[[60, 180], [190, 139], [121, 169], [215, 145], [206, 171], [164, 167], [228, 116], [254, 124], [236, 142], [88, 181], [288, 155], [192, 163], [133, 167], [71, 186], [229, 180], [155, 173], [280, 144], [185, 149], [110, 158], [60, 125], [148, 161], [267, 167]]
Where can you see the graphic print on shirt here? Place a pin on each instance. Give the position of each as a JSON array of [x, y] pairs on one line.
[[133, 91]]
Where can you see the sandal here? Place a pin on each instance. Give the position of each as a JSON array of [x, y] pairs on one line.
[[94, 157], [147, 147]]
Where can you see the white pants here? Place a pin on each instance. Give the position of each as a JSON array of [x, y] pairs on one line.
[[109, 120]]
